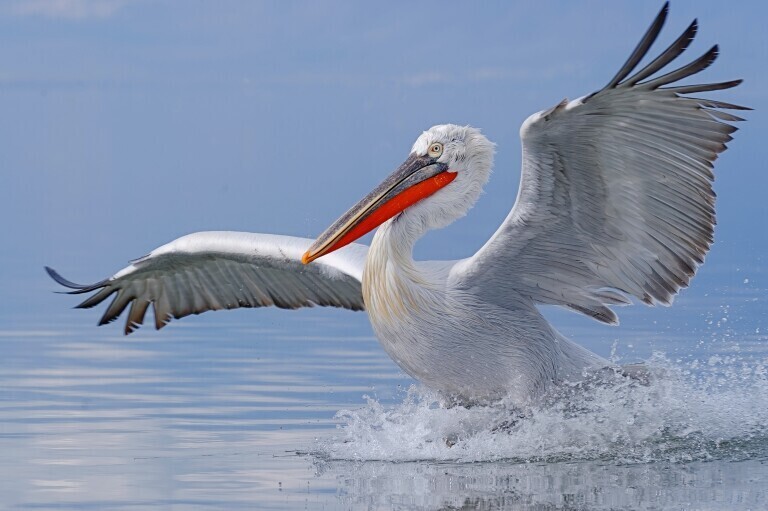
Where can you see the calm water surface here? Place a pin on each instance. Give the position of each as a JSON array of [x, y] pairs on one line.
[[303, 410]]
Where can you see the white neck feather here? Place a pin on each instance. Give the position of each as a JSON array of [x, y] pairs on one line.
[[393, 285]]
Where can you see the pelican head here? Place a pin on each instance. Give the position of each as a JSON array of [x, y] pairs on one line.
[[437, 184]]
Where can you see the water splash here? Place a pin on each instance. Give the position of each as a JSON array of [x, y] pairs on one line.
[[700, 410]]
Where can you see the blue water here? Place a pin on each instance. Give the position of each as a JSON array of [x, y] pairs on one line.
[[273, 409]]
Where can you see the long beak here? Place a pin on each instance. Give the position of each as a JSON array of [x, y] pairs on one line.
[[417, 178]]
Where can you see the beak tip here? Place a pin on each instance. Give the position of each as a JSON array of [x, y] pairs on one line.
[[305, 258]]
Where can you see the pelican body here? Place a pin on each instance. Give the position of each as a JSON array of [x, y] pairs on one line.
[[615, 201]]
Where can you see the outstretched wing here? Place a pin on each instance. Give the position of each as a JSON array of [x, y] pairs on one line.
[[226, 270], [616, 192]]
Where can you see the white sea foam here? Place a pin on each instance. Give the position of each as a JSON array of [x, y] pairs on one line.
[[711, 409]]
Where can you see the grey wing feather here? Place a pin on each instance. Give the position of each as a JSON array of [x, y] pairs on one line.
[[226, 270], [616, 192]]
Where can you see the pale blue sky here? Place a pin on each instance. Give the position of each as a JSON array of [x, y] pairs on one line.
[[126, 124]]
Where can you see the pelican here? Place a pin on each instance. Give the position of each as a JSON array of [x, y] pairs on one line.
[[615, 202]]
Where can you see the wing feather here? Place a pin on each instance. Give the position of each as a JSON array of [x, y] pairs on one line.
[[642, 48], [225, 270], [139, 308], [671, 53], [616, 192]]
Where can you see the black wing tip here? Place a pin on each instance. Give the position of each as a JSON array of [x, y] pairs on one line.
[[130, 327], [105, 320], [56, 276], [671, 53], [649, 37], [713, 52], [77, 288], [661, 17], [703, 87], [662, 14], [689, 34]]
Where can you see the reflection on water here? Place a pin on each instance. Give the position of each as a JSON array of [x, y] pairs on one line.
[[570, 486], [216, 413]]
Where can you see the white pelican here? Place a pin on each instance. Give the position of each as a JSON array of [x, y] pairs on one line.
[[615, 201]]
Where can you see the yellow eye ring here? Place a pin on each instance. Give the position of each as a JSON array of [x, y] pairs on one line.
[[435, 150]]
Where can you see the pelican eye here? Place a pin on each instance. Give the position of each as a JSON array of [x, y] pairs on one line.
[[435, 150]]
